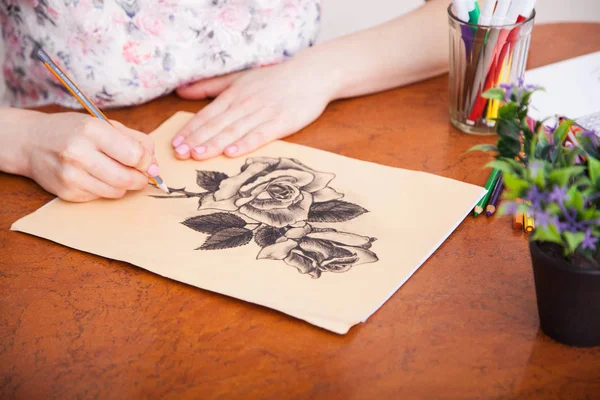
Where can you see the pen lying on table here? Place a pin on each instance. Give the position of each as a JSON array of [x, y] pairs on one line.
[[83, 99]]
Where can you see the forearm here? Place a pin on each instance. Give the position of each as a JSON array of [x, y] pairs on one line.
[[407, 49], [16, 126]]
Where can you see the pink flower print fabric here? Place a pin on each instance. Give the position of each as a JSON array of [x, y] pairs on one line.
[[126, 52]]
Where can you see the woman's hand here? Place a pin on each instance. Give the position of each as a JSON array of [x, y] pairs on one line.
[[254, 107], [81, 158], [258, 106]]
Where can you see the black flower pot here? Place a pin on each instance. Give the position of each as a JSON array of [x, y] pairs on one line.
[[568, 299]]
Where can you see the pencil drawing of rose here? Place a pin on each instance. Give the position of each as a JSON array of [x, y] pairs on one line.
[[279, 202], [273, 191], [313, 250]]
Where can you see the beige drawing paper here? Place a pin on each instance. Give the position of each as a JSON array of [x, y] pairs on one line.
[[321, 237]]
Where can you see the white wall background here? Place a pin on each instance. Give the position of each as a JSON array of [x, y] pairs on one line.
[[568, 10], [344, 16]]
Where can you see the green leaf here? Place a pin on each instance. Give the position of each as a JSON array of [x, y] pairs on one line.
[[575, 199], [543, 152], [483, 147], [504, 165], [562, 176], [509, 128], [572, 155], [553, 208], [588, 145], [508, 111], [573, 240], [515, 184], [578, 201], [540, 177], [509, 147], [554, 155], [542, 139], [560, 134], [584, 182], [594, 168], [494, 94], [549, 233], [589, 214]]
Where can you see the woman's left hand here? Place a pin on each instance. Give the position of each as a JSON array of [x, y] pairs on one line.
[[254, 107]]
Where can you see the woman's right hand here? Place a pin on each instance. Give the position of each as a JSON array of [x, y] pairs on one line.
[[80, 158]]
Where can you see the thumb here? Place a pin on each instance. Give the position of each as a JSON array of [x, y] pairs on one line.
[[143, 139], [207, 88]]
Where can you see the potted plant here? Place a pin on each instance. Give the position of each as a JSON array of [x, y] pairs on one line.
[[554, 175]]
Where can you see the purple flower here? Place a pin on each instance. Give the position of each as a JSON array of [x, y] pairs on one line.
[[508, 88], [565, 226], [590, 133], [543, 219], [535, 196], [593, 136], [519, 87], [535, 167], [589, 242], [558, 194], [550, 132]]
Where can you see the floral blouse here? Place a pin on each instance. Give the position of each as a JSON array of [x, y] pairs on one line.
[[125, 52]]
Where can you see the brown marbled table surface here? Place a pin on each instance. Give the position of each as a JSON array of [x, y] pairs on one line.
[[465, 326]]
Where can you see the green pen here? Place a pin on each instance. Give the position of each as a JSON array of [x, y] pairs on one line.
[[474, 15]]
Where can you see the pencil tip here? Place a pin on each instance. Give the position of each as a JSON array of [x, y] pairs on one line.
[[164, 188]]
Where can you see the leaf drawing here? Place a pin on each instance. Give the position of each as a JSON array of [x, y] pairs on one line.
[[210, 180], [212, 223], [227, 239], [266, 236], [334, 211], [276, 202]]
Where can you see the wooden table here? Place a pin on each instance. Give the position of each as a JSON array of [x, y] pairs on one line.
[[73, 325]]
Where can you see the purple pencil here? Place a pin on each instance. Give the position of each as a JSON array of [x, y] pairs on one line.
[[495, 197]]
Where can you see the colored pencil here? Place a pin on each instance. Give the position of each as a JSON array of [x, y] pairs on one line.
[[495, 197], [518, 218], [489, 185], [82, 98], [529, 223]]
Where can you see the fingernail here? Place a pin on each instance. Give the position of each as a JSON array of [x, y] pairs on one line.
[[231, 150], [153, 170], [177, 141], [199, 149], [183, 149]]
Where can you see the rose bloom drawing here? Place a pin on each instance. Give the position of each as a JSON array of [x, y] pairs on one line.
[[278, 202]]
